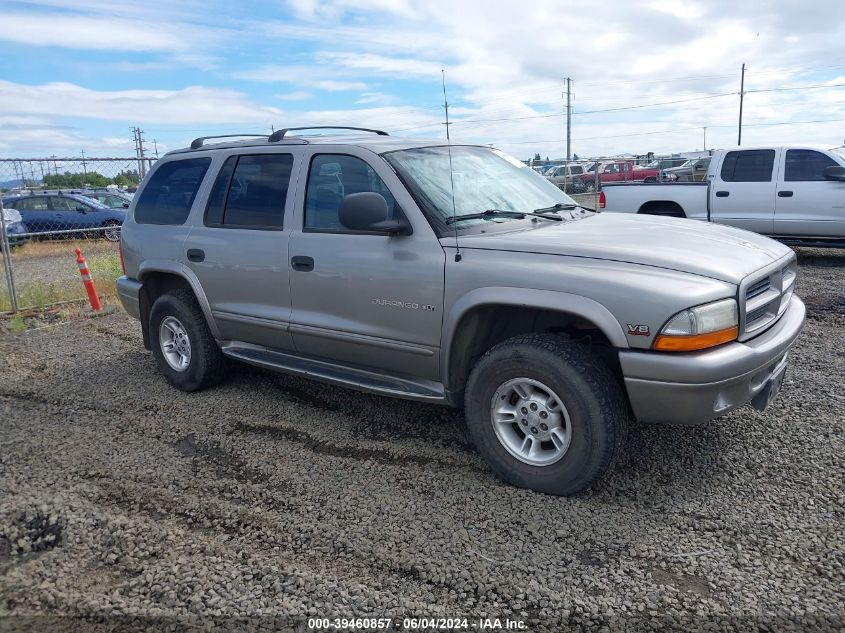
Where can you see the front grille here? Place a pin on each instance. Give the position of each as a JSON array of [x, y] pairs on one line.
[[764, 297], [758, 288]]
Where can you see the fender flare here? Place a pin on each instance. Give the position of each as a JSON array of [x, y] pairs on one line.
[[530, 298], [180, 270]]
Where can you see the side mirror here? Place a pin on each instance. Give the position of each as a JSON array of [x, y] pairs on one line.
[[835, 173], [82, 209], [367, 211], [125, 205]]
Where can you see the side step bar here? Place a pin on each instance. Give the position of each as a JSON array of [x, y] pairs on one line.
[[341, 375]]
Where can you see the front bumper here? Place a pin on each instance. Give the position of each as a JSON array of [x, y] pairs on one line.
[[695, 387], [129, 293]]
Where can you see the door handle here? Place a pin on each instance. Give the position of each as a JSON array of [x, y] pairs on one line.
[[723, 194], [302, 263], [784, 194], [196, 255]]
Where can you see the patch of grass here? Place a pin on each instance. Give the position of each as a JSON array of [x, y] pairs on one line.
[[17, 324], [104, 267], [59, 247]]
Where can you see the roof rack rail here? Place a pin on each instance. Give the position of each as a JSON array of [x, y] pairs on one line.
[[198, 142], [278, 135]]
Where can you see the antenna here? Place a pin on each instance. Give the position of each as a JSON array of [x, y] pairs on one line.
[[451, 173]]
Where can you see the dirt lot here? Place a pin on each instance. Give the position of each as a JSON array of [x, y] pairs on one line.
[[271, 498]]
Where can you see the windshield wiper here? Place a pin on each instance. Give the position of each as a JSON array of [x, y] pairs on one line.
[[560, 206], [489, 213]]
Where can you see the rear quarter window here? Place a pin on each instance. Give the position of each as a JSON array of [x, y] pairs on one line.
[[753, 165], [169, 194]]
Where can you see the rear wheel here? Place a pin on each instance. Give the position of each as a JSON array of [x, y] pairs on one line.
[[186, 352], [546, 414]]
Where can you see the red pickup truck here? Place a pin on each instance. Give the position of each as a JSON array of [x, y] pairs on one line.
[[617, 171]]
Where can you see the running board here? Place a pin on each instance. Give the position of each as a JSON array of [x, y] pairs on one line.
[[341, 375]]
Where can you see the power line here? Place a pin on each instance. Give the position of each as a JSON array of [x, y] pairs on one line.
[[673, 131]]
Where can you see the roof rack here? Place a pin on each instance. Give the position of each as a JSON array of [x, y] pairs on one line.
[[278, 135], [198, 142]]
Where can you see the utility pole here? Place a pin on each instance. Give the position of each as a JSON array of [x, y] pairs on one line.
[[568, 120], [139, 150], [143, 158], [155, 145], [741, 97], [704, 147], [84, 166]]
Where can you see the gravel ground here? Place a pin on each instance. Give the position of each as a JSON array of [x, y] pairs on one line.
[[130, 505]]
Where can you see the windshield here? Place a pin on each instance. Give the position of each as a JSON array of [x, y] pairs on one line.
[[483, 179]]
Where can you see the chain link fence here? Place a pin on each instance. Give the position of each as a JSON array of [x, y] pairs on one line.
[[50, 207]]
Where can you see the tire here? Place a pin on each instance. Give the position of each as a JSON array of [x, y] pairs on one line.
[[589, 186], [112, 230], [595, 410], [205, 363]]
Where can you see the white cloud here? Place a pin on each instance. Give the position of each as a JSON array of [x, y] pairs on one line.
[[317, 77], [376, 98], [90, 32], [393, 66], [191, 105], [296, 95]]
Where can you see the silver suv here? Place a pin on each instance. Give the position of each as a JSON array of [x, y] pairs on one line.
[[454, 275]]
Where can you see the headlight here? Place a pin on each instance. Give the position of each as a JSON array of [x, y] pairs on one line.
[[701, 327], [10, 216]]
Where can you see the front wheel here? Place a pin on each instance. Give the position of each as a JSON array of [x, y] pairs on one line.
[[547, 414], [590, 186]]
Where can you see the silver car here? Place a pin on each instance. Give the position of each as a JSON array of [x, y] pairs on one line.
[[456, 276]]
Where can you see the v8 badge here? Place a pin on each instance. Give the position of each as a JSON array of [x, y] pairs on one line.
[[638, 330]]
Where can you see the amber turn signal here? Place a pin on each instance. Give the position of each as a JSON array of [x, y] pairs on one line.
[[691, 343]]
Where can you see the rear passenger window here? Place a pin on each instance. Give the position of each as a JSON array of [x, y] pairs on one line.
[[753, 165], [168, 195], [806, 164], [250, 192]]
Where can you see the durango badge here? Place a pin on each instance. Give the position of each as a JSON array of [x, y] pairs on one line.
[[638, 330]]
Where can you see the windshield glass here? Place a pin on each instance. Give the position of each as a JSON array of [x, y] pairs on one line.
[[483, 179]]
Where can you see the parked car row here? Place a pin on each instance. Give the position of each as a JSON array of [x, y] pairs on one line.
[[580, 177], [64, 214]]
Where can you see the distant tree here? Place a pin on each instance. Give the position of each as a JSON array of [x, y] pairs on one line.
[[80, 180], [575, 156], [537, 157]]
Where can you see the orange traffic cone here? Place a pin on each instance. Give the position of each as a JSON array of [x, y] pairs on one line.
[[96, 306]]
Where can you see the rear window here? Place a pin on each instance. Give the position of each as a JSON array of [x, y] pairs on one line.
[[753, 165], [169, 194], [804, 165], [250, 192]]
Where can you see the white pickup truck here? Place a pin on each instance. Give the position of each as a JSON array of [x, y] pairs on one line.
[[793, 193]]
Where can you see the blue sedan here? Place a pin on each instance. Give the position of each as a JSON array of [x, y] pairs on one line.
[[68, 213]]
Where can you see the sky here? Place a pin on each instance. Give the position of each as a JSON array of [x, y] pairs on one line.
[[646, 76]]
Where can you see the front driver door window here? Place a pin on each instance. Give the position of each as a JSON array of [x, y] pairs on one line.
[[364, 299]]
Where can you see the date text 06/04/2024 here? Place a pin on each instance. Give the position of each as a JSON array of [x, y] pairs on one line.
[[415, 624]]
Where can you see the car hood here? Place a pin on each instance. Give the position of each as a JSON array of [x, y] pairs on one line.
[[710, 250]]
